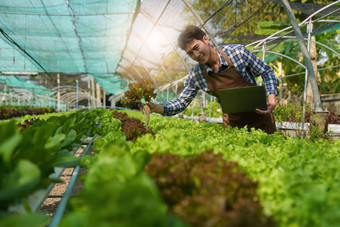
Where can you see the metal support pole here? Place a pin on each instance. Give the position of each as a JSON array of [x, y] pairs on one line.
[[308, 62], [89, 90], [58, 91], [309, 31], [202, 116], [204, 101], [280, 81], [104, 97], [76, 94], [167, 94], [264, 49], [5, 92]]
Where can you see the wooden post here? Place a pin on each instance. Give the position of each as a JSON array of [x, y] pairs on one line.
[[99, 103], [5, 92], [314, 59], [11, 96], [92, 83], [89, 90]]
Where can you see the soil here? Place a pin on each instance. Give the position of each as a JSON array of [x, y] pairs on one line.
[[52, 201]]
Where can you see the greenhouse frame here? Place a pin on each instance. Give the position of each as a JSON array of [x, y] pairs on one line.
[[80, 145]]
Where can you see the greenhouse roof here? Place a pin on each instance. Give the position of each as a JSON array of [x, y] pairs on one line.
[[61, 36], [117, 41], [15, 82]]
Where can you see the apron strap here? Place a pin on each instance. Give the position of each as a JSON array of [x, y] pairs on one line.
[[230, 64]]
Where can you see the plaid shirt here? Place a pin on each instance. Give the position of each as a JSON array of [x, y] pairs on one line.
[[245, 62]]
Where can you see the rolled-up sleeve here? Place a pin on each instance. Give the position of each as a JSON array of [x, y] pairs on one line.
[[259, 68]]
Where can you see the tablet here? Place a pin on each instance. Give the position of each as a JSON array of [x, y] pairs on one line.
[[244, 99]]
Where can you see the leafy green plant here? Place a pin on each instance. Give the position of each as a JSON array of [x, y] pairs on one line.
[[292, 112], [205, 190], [132, 127], [7, 112], [128, 196], [28, 157], [297, 178], [315, 133], [144, 88], [27, 123], [140, 93]]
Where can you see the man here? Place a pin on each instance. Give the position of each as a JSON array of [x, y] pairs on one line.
[[228, 66]]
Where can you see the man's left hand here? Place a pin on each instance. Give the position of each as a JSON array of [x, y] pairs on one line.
[[271, 104]]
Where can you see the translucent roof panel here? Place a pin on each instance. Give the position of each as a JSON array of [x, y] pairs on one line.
[[154, 36], [116, 40], [15, 82], [64, 36], [111, 84]]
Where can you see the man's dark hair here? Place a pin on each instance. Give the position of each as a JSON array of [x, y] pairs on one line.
[[188, 34]]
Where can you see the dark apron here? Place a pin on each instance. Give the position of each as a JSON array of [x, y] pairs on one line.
[[231, 78]]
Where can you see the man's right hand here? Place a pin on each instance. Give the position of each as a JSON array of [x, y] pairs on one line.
[[225, 118], [155, 108]]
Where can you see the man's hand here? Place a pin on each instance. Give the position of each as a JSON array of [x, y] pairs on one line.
[[155, 108], [271, 104], [226, 122]]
